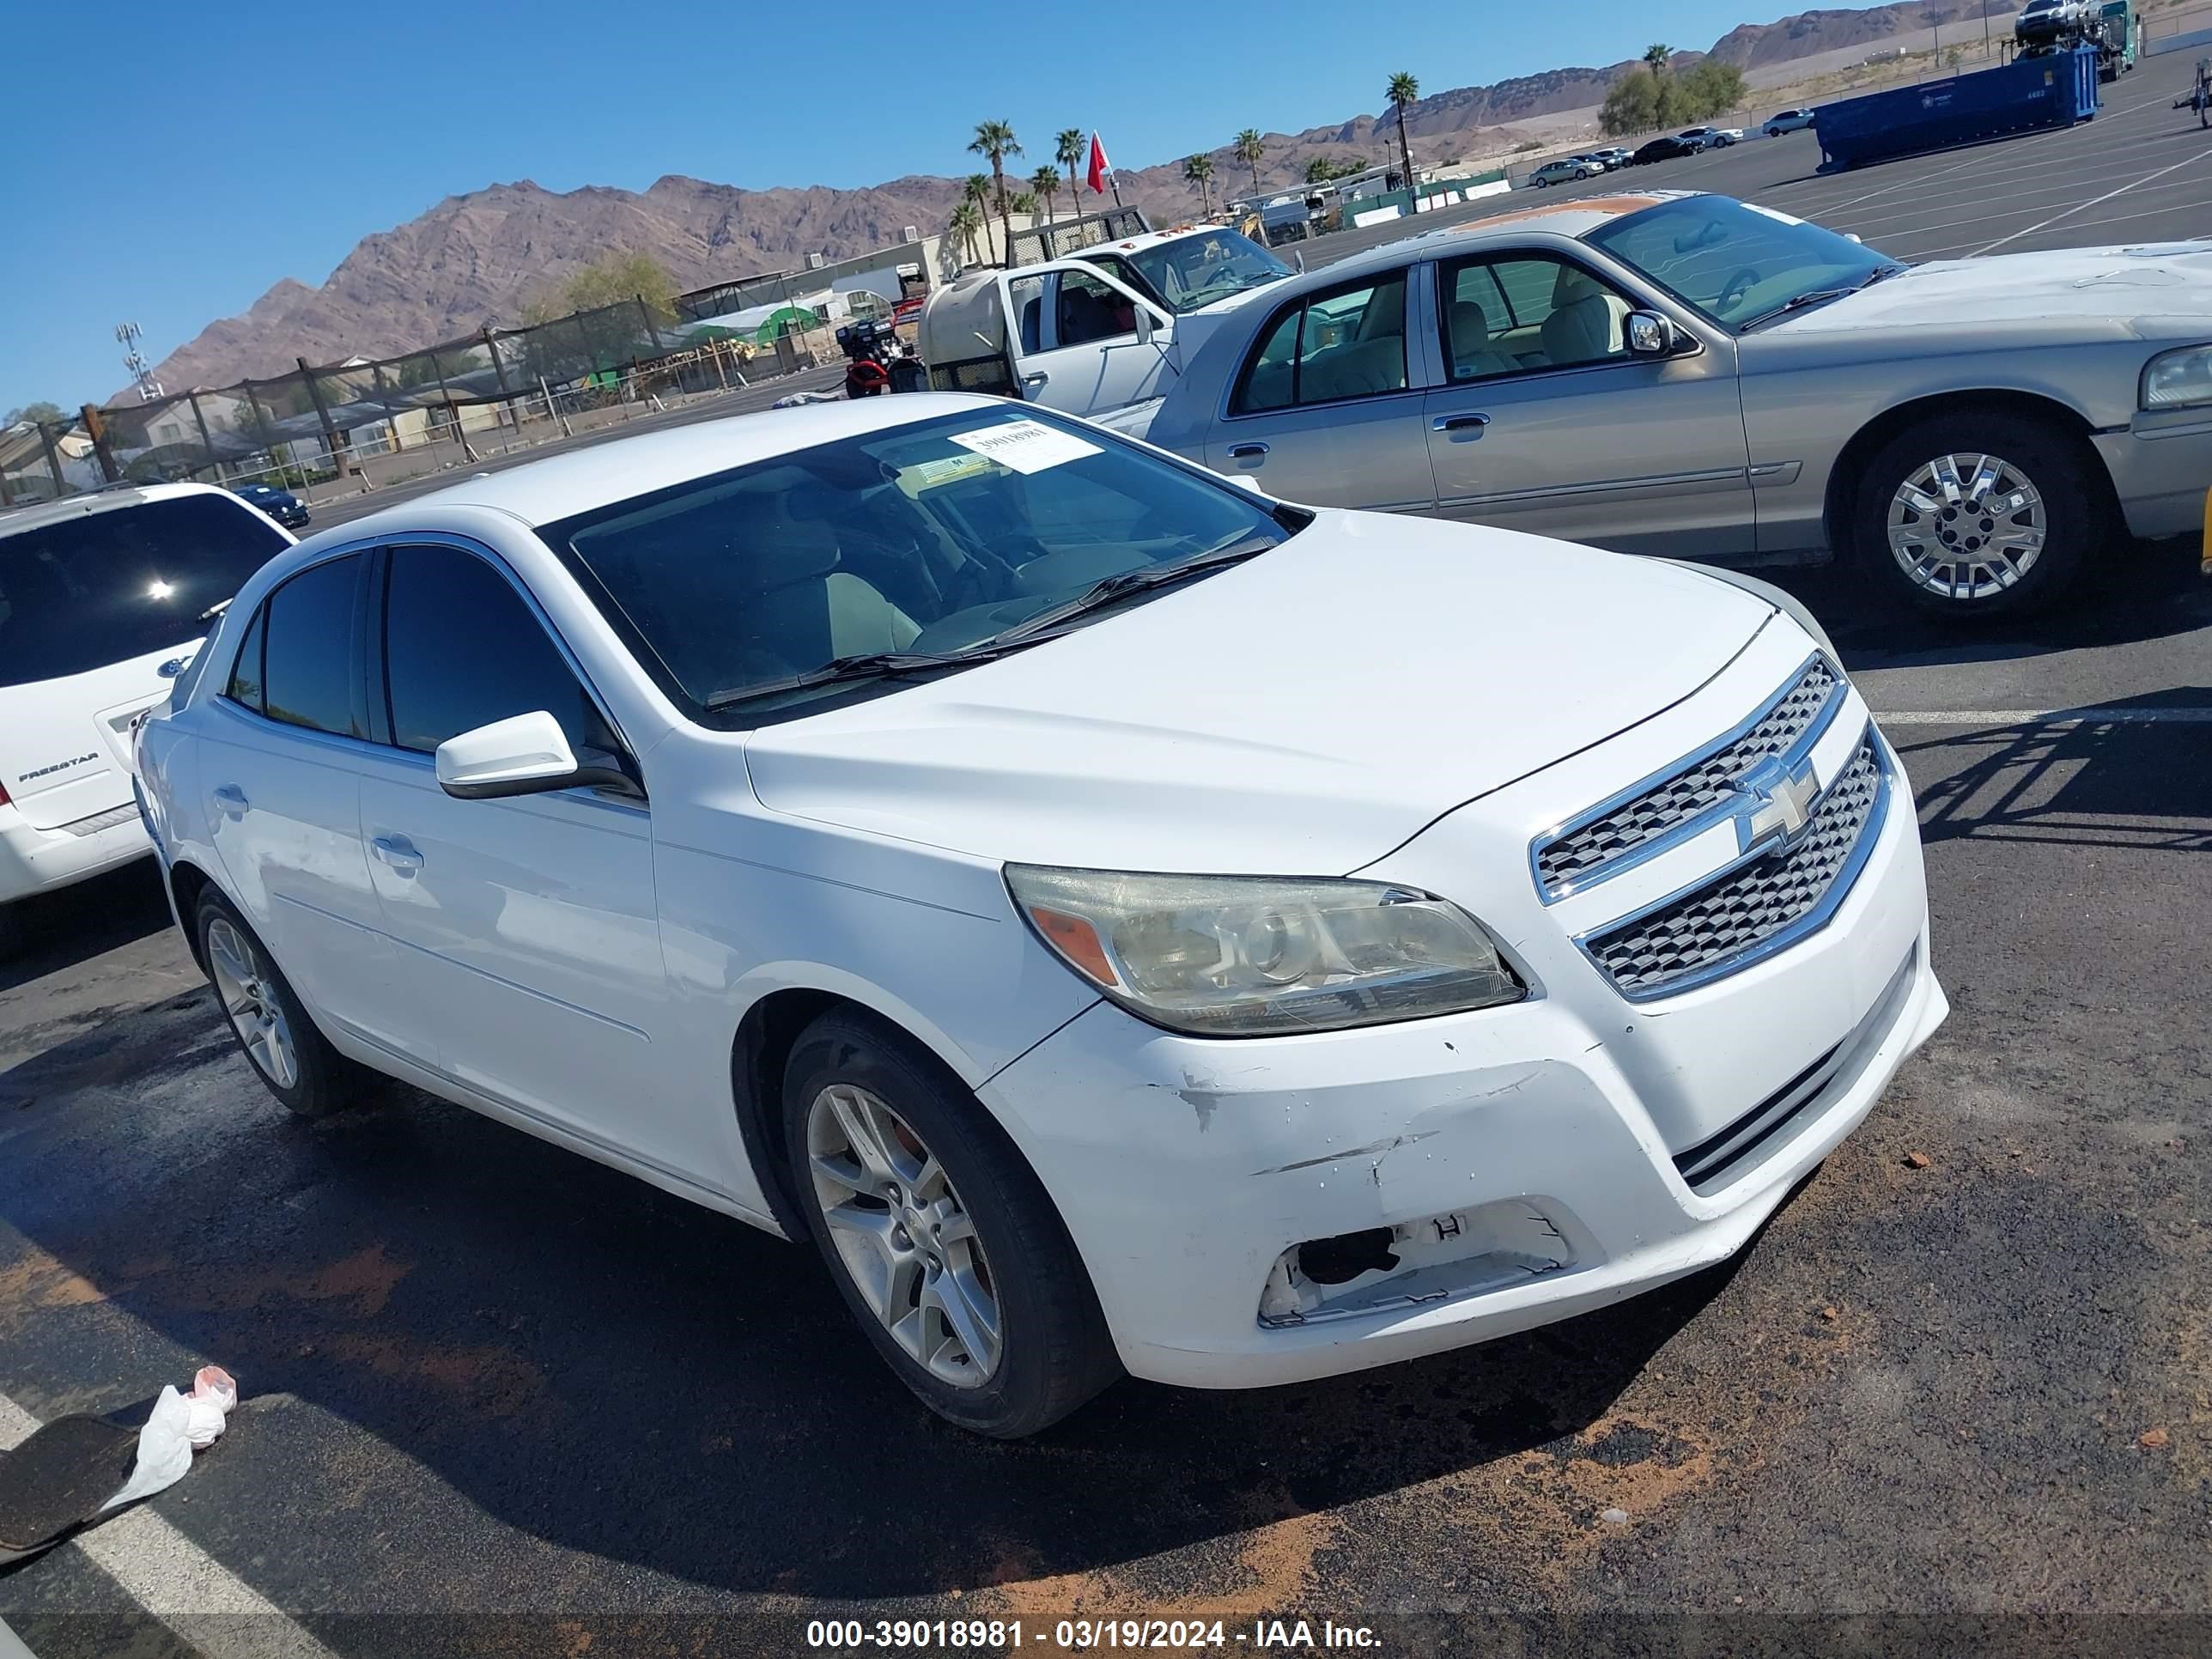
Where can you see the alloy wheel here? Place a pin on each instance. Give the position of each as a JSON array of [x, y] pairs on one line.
[[242, 981], [1967, 526], [907, 1242]]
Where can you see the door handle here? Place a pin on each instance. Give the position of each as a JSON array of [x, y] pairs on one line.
[[1473, 423], [1247, 452], [1038, 379], [397, 851], [231, 799]]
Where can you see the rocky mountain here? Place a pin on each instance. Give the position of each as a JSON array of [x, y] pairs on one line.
[[477, 258]]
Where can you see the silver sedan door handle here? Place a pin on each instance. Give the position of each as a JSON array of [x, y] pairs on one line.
[[231, 799], [1247, 452], [1473, 423], [397, 851]]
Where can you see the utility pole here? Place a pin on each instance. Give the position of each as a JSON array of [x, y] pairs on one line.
[[127, 335], [96, 430], [331, 440]]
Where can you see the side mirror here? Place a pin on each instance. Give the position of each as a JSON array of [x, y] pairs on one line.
[[1298, 260], [1650, 335], [1144, 326], [527, 755], [1851, 237]]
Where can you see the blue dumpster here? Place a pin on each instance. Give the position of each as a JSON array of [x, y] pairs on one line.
[[2025, 95]]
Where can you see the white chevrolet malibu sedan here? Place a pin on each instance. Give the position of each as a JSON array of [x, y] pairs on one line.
[[1126, 922]]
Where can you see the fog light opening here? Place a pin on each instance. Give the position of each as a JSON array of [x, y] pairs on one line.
[[1460, 1253], [1340, 1260]]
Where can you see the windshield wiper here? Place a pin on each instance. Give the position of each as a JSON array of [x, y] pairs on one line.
[[1819, 296], [1114, 589], [862, 665]]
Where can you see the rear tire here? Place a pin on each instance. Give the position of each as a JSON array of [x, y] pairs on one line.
[[941, 1238], [294, 1061], [1933, 535]]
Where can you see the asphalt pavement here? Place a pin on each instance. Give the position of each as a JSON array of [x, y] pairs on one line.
[[1956, 1397]]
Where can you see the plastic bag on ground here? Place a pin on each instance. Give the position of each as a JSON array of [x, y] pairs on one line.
[[181, 1425]]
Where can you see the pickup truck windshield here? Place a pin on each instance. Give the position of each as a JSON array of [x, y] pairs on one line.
[[1735, 262], [1196, 271], [917, 550]]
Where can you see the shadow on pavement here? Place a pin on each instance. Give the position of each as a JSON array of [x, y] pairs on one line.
[[58, 930], [2153, 591], [619, 1372]]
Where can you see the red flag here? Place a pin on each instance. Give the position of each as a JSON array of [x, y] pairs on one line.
[[1099, 167]]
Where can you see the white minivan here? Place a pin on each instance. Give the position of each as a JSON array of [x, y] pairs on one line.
[[103, 600]]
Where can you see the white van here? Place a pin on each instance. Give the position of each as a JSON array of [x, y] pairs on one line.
[[103, 600]]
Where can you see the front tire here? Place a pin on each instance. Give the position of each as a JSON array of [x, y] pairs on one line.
[[1977, 514], [294, 1059], [941, 1238]]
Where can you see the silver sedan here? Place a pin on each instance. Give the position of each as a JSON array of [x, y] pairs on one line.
[[1685, 375]]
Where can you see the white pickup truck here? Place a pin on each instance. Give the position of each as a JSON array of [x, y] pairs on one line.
[[1098, 329]]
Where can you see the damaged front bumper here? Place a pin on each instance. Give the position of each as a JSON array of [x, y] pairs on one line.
[[1265, 1211]]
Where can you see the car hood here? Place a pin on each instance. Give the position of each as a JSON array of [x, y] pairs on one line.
[[1300, 713], [2164, 280]]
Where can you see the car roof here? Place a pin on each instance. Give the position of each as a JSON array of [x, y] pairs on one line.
[[560, 486], [1576, 218], [32, 515]]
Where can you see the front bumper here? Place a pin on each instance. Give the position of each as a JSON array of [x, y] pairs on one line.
[[1524, 1157], [32, 859], [2162, 468]]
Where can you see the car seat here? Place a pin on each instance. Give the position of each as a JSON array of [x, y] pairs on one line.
[[1472, 355], [1586, 321]]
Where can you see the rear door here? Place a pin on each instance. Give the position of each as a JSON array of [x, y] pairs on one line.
[[278, 772], [99, 609], [1326, 409], [1078, 350]]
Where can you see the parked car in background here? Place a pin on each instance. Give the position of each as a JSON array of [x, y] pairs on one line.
[[1565, 171], [811, 814], [1711, 138], [1665, 149], [1612, 157], [1680, 374], [1788, 120], [281, 505], [103, 600]]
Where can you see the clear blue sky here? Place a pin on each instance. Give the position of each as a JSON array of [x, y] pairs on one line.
[[166, 162]]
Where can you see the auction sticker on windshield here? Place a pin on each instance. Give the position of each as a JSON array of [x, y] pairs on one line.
[[1024, 446]]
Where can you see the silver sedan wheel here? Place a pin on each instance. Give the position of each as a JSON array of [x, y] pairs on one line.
[[242, 981], [1967, 526], [907, 1244]]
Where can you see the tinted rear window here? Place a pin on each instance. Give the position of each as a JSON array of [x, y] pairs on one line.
[[111, 586]]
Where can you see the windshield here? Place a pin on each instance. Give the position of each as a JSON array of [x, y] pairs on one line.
[[1735, 262], [1196, 271], [107, 587], [921, 540]]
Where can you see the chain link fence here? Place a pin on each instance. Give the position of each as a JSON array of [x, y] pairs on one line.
[[358, 424]]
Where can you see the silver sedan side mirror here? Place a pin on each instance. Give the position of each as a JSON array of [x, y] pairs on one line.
[[1650, 335]]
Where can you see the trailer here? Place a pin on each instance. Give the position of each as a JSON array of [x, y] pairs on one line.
[[2052, 90]]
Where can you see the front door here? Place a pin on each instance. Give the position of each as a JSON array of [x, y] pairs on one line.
[[1079, 348], [1327, 410], [1547, 423], [529, 924]]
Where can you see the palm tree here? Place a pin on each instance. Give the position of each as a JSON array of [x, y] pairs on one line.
[[1069, 150], [1320, 170], [1198, 170], [1023, 203], [966, 219], [1655, 59], [976, 191], [1404, 90], [995, 140], [1250, 148], [1044, 185]]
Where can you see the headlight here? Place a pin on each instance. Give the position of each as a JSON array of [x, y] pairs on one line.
[[1257, 955], [2179, 380]]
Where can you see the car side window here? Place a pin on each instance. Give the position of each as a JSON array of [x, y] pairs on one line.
[[1526, 312], [1027, 294], [1088, 309], [462, 649], [1347, 343], [245, 687], [308, 649]]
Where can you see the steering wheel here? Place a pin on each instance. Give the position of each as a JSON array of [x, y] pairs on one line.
[[1737, 286]]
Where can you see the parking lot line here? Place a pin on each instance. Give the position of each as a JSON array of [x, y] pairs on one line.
[[2090, 715], [177, 1582], [2187, 161]]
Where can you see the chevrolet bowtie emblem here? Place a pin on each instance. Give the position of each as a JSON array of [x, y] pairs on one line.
[[1776, 804]]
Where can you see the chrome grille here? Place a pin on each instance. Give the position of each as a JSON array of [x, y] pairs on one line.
[[1747, 912], [1575, 855]]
